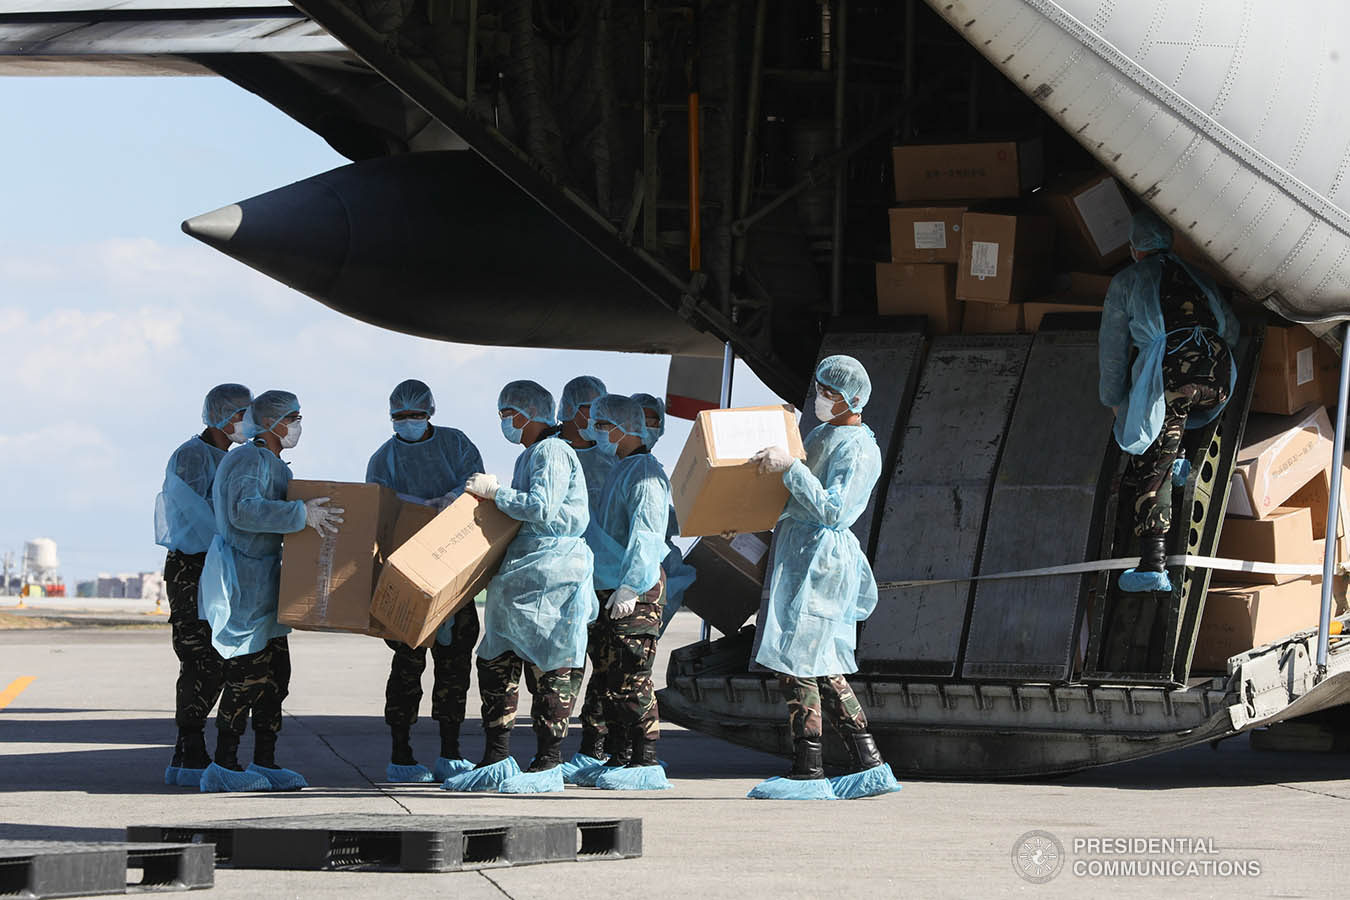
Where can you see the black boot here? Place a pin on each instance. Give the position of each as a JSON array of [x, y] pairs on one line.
[[227, 751], [450, 740], [177, 760], [617, 748], [401, 754], [265, 749], [497, 746], [194, 754], [592, 744], [808, 762], [862, 749], [1152, 553], [548, 755], [643, 752]]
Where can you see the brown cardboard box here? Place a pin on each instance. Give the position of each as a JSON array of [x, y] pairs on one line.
[[916, 289], [984, 171], [1092, 218], [926, 234], [1328, 374], [1288, 377], [730, 575], [1033, 313], [1237, 619], [1003, 258], [441, 568], [978, 317], [1082, 287], [714, 485], [1316, 494], [1285, 536], [1280, 455], [326, 582]]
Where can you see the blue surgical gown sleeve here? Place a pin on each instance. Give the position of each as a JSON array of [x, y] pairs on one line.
[[829, 501], [549, 479], [1113, 345], [196, 465], [250, 511], [377, 470], [649, 502]]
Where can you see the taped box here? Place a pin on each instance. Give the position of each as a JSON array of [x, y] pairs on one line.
[[926, 234], [441, 568], [715, 486], [1003, 258], [1280, 455], [730, 577], [1288, 377], [1237, 619], [326, 582]]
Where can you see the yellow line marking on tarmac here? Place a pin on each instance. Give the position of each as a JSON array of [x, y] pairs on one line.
[[16, 687]]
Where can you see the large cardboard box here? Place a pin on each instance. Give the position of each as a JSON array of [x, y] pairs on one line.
[[917, 289], [715, 486], [1092, 218], [1281, 454], [326, 582], [1316, 494], [730, 575], [1004, 258], [1288, 377], [1081, 287], [1034, 313], [1237, 619], [983, 171], [441, 568], [1328, 374], [926, 234], [978, 317], [1284, 536]]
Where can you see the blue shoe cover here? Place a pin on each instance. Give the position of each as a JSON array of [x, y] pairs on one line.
[[488, 778], [280, 779], [1181, 470], [171, 774], [633, 778], [549, 781], [414, 774], [449, 768], [218, 779], [578, 762], [1136, 582], [868, 783], [588, 776], [190, 777], [779, 788]]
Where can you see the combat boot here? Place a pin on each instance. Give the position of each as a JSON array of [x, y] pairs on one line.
[[227, 751], [265, 749], [548, 755], [449, 740], [617, 747], [1152, 553], [401, 754], [592, 743], [177, 760], [194, 755], [643, 752], [496, 747], [862, 750], [808, 761]]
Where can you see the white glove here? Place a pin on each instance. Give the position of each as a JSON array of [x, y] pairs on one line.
[[485, 486], [773, 459], [321, 517], [622, 603]]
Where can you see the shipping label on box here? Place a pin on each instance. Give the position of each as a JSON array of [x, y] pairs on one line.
[[1281, 455], [1004, 258], [928, 234], [1288, 377], [1092, 218], [714, 485]]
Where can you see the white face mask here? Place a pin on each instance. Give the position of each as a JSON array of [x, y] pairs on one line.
[[236, 433], [292, 435], [824, 408]]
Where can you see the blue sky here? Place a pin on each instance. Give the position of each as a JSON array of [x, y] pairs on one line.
[[113, 323]]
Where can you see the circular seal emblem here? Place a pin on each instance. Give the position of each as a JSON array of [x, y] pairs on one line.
[[1038, 856]]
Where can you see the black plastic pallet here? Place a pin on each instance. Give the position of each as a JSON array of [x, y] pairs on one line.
[[33, 869], [403, 843]]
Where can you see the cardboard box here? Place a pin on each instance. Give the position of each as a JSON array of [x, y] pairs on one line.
[[926, 234], [730, 576], [1004, 258], [978, 317], [1033, 313], [1281, 455], [714, 485], [1285, 536], [1287, 378], [983, 171], [1082, 287], [1316, 494], [1328, 374], [441, 568], [1092, 218], [326, 582], [915, 289], [1237, 619]]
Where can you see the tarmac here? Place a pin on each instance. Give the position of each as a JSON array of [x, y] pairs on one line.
[[83, 747]]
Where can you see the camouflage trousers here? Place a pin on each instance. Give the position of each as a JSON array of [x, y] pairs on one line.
[[258, 682], [623, 652], [1195, 380], [200, 668], [808, 697], [553, 694], [450, 667]]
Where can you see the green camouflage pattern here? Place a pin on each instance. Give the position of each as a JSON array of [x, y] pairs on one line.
[[625, 652], [809, 697], [450, 667], [258, 682], [553, 694], [200, 668]]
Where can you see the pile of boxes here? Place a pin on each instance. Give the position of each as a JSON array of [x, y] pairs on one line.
[[975, 252]]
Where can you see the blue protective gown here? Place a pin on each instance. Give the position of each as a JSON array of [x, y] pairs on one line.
[[1132, 316], [542, 598], [426, 469], [679, 574], [242, 577], [821, 585], [184, 518], [595, 464], [629, 535]]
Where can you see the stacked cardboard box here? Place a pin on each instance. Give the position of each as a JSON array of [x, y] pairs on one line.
[[1296, 370]]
